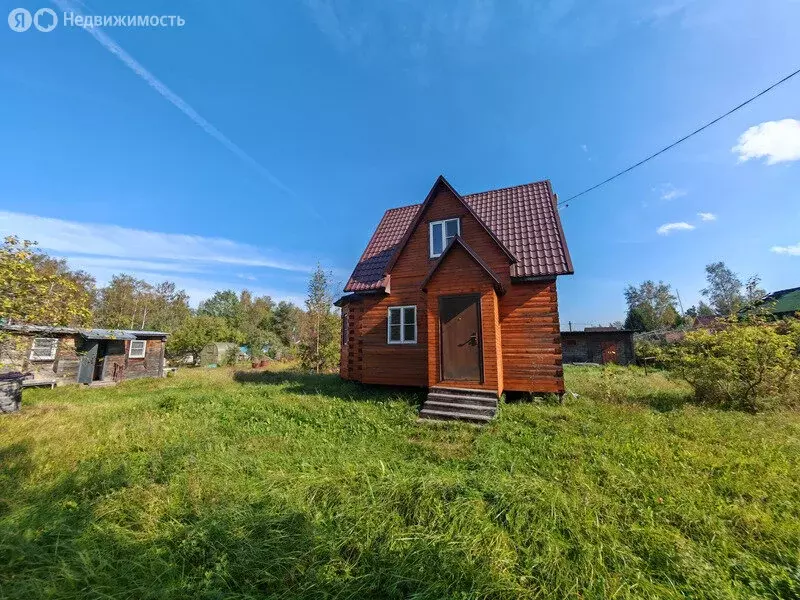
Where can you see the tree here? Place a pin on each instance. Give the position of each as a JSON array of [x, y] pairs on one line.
[[130, 303], [724, 290], [753, 292], [651, 306], [39, 290], [286, 324], [701, 310], [640, 319], [224, 304], [195, 332], [319, 332]]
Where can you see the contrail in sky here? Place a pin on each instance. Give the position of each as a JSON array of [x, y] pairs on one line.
[[167, 93]]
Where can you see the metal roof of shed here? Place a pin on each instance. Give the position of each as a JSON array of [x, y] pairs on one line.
[[90, 334]]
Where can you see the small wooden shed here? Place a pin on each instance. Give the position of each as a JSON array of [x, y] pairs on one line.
[[600, 345], [74, 355], [216, 353]]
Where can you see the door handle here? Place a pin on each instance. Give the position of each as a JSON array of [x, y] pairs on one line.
[[471, 341]]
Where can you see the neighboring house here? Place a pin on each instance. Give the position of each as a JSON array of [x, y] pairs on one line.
[[72, 355], [780, 304], [601, 345], [458, 294]]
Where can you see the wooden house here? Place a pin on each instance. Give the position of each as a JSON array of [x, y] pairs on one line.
[[458, 295], [58, 355]]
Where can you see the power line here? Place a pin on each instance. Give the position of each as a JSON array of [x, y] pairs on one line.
[[683, 139]]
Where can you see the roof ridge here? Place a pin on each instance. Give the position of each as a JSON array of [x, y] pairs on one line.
[[509, 187]]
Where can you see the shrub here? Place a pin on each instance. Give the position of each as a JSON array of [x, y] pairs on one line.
[[744, 366]]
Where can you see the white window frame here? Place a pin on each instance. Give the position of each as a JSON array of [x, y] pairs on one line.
[[443, 223], [403, 324], [53, 350], [132, 354]]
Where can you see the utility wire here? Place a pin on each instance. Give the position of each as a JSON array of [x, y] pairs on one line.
[[683, 139]]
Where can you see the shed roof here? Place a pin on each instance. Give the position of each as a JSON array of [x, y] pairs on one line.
[[90, 334], [523, 218]]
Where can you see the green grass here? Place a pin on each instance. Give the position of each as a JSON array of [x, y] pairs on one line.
[[289, 486]]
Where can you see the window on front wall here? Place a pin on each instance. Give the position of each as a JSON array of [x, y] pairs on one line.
[[402, 325], [137, 349], [44, 348], [441, 232]]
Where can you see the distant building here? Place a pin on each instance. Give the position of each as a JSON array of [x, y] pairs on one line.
[[600, 345], [780, 304], [74, 355]]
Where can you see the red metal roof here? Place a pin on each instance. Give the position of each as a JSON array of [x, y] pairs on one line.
[[524, 218]]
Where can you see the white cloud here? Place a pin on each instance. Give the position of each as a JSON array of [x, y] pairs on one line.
[[584, 147], [670, 192], [668, 228], [707, 216], [119, 246], [789, 250], [777, 141]]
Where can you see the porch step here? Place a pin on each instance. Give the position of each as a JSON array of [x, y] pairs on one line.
[[463, 391], [471, 400], [446, 415], [470, 409], [462, 404]]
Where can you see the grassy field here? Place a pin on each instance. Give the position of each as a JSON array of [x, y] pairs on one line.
[[281, 485]]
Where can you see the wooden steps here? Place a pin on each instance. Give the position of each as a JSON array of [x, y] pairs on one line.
[[461, 404]]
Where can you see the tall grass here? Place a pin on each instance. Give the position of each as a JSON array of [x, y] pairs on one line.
[[284, 485]]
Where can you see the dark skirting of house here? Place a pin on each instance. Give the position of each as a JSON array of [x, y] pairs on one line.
[[72, 355], [599, 345]]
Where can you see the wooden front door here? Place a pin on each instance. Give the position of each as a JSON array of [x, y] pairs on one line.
[[460, 335]]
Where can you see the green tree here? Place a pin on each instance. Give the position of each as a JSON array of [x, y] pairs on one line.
[[319, 331], [640, 319], [224, 304], [724, 289], [39, 290], [286, 324], [195, 332], [651, 306], [131, 303]]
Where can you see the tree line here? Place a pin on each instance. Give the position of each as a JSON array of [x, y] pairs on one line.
[[38, 289], [654, 306]]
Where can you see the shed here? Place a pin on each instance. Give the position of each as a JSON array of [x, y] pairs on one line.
[[215, 353], [599, 345], [76, 355]]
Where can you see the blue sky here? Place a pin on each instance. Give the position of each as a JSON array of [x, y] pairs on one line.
[[260, 138]]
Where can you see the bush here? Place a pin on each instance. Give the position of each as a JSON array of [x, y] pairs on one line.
[[743, 366]]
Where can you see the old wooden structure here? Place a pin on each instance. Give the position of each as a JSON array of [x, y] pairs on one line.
[[458, 294], [600, 345], [72, 355]]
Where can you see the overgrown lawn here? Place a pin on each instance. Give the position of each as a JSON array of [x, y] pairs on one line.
[[283, 485]]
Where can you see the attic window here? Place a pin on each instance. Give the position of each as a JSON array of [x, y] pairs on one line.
[[44, 348], [137, 349], [441, 233]]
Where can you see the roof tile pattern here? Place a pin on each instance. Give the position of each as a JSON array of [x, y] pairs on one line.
[[524, 218], [370, 270]]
